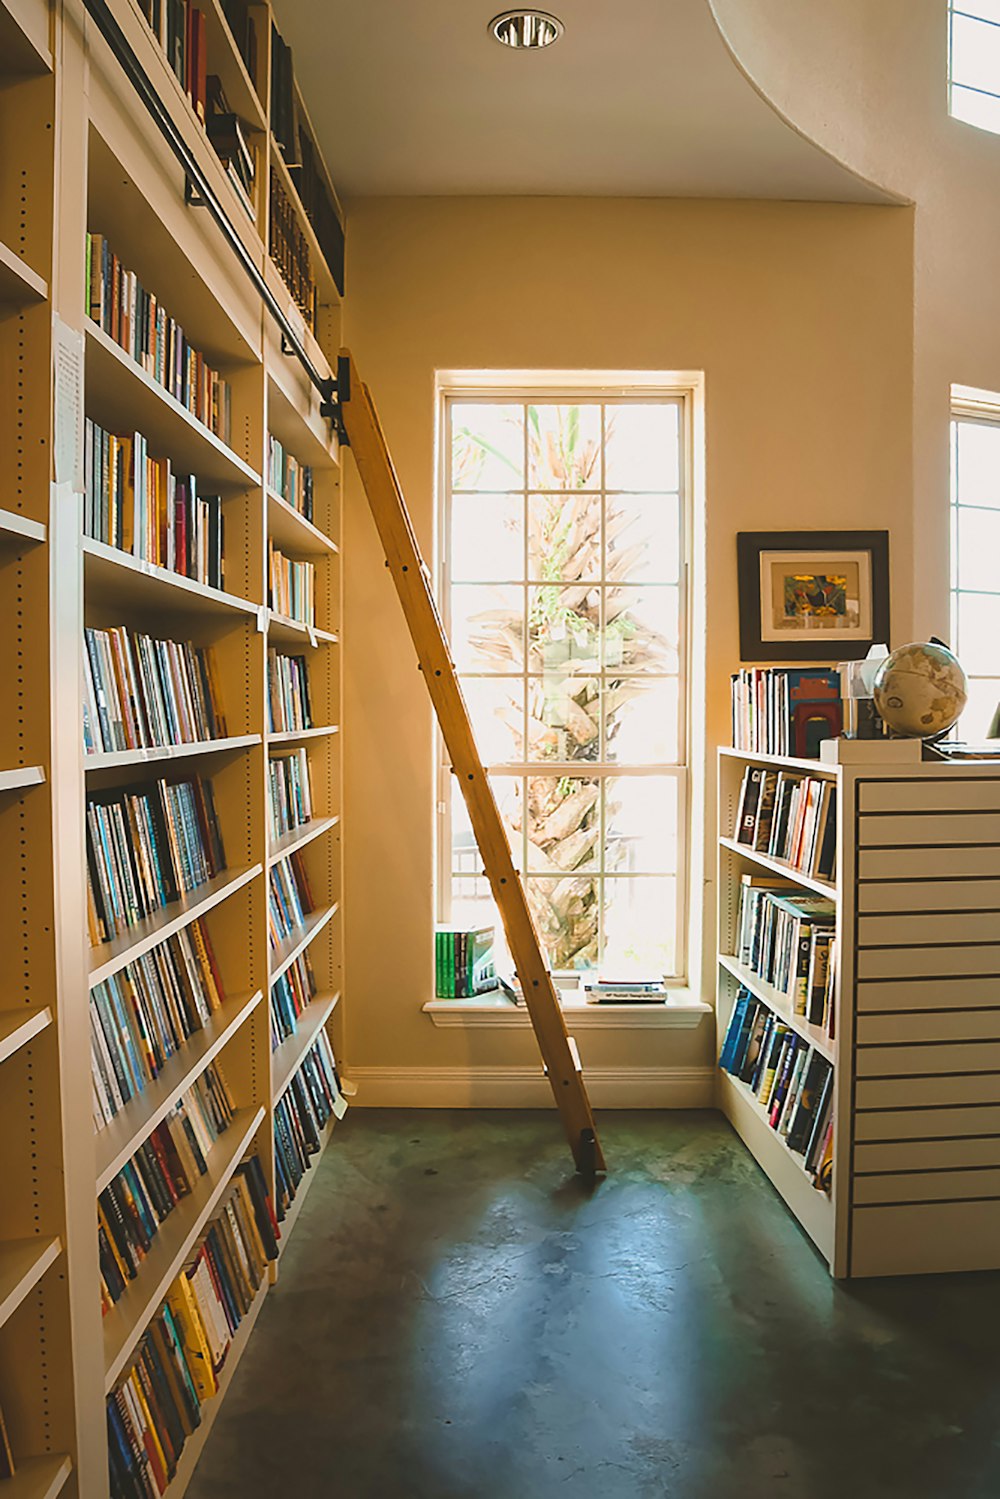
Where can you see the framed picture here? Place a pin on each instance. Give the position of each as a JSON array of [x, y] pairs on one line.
[[812, 595]]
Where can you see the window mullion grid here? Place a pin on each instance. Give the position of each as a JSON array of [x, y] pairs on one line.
[[602, 801], [526, 644]]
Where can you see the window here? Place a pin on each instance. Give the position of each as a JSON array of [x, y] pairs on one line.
[[975, 548], [974, 62], [563, 550]]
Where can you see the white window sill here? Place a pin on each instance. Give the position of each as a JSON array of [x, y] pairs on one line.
[[680, 1012]]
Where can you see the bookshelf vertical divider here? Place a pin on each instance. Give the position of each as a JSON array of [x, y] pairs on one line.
[[89, 161], [916, 1052]]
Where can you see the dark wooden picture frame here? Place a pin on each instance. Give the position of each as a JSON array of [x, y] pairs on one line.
[[760, 640]]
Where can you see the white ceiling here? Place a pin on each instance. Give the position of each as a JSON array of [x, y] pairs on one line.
[[638, 98]]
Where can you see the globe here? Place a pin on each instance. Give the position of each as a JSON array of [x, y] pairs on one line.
[[920, 690]]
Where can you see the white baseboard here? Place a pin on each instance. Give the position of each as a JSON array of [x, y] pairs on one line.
[[527, 1088]]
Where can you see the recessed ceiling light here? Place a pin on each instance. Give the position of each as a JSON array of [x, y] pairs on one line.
[[526, 29]]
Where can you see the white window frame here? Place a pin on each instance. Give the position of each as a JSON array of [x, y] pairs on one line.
[[982, 408], [530, 388], [957, 88]]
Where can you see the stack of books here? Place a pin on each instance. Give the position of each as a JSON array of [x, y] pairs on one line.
[[142, 1016], [159, 1403], [464, 961], [164, 1169], [785, 710], [140, 325], [289, 899], [787, 938], [289, 791], [790, 816], [300, 1117], [140, 692], [138, 504], [229, 137], [603, 990], [291, 586], [290, 996], [291, 480], [288, 708], [789, 1078], [148, 845]]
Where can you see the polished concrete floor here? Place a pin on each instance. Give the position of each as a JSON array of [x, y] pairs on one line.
[[458, 1318]]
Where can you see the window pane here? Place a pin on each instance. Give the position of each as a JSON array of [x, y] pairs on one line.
[[487, 538], [564, 537], [975, 53], [642, 447], [563, 717], [640, 918], [564, 447], [487, 628], [641, 629], [465, 855], [979, 549], [640, 835], [566, 913], [564, 817], [643, 538], [496, 707], [978, 458], [980, 710], [641, 718], [487, 446], [563, 629], [978, 639]]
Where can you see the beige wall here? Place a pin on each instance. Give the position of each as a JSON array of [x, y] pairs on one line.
[[801, 318]]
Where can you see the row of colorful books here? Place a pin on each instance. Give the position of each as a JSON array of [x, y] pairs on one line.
[[141, 325], [790, 816], [289, 899], [291, 586], [790, 1080], [143, 1015], [787, 937], [289, 791], [165, 1168], [159, 1403], [464, 961], [300, 1117], [148, 845], [141, 692], [288, 708], [780, 710], [292, 994], [288, 478], [137, 503]]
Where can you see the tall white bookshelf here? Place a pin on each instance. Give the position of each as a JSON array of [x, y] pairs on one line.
[[916, 1053], [80, 154]]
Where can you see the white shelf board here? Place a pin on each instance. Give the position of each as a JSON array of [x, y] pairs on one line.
[[499, 1012], [23, 1262], [110, 759], [126, 397], [781, 1005], [281, 627], [24, 39], [38, 1477], [119, 1140], [778, 866], [18, 282], [22, 776], [110, 956], [292, 533], [124, 579], [127, 1320], [18, 1027], [16, 530], [786, 1170], [292, 736], [289, 1056], [284, 955], [299, 837], [781, 762]]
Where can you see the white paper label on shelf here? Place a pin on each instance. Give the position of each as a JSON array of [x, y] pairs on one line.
[[261, 618], [67, 353], [312, 636], [348, 1088], [339, 1104]]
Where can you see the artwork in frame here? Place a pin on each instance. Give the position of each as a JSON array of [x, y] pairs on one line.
[[812, 595]]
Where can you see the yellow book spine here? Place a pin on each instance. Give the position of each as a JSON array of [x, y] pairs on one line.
[[181, 1302]]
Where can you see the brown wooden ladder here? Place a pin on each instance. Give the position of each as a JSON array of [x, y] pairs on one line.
[[360, 426]]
